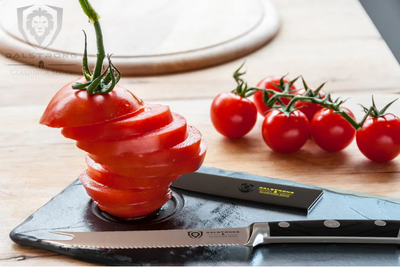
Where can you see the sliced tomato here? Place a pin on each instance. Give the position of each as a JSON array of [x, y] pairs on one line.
[[109, 196], [152, 141], [147, 118], [185, 167], [103, 176], [138, 210], [74, 108], [185, 150]]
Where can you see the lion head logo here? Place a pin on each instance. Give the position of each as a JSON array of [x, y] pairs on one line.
[[40, 24]]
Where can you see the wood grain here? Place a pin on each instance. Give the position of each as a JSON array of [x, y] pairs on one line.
[[330, 41]]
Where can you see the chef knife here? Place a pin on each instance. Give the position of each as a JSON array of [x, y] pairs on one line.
[[316, 231]]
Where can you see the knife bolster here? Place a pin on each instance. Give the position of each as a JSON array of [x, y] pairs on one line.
[[259, 233]]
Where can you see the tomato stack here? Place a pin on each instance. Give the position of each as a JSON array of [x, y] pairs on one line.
[[135, 150]]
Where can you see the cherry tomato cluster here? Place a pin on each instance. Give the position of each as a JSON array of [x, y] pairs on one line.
[[292, 116]]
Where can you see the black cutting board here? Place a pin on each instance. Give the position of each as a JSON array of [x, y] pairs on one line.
[[72, 210]]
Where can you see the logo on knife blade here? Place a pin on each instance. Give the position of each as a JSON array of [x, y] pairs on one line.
[[195, 235]]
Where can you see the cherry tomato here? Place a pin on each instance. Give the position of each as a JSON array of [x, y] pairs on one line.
[[152, 141], [266, 83], [379, 138], [233, 116], [331, 131], [136, 210], [185, 150], [74, 108], [309, 109], [180, 168], [149, 117], [285, 134]]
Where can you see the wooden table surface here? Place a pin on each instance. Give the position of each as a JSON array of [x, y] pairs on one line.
[[332, 41]]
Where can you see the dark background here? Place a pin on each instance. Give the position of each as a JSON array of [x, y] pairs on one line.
[[386, 16]]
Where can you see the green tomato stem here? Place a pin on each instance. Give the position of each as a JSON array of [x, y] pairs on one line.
[[100, 82], [270, 97], [100, 50], [325, 103]]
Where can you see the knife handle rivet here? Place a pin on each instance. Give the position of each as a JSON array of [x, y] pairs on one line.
[[283, 224], [380, 223], [331, 223]]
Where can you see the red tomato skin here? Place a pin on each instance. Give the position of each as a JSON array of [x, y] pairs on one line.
[[331, 131], [265, 83], [183, 151], [379, 138], [149, 117], [309, 109], [159, 139], [119, 197], [185, 167], [136, 210], [285, 134], [74, 108], [233, 116]]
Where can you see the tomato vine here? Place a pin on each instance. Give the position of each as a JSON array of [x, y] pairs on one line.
[[98, 82], [310, 96]]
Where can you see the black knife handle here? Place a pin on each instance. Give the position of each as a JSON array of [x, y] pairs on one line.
[[347, 228], [326, 231]]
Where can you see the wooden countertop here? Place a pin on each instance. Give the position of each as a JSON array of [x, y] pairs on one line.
[[332, 41]]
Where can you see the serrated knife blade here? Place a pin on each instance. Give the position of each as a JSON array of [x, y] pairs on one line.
[[319, 231], [156, 239]]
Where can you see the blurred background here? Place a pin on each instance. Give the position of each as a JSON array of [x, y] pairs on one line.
[[385, 15]]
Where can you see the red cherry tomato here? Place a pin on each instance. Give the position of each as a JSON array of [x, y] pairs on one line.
[[74, 108], [379, 138], [309, 109], [233, 116], [136, 210], [152, 141], [285, 134], [331, 131], [149, 117], [266, 83], [183, 151]]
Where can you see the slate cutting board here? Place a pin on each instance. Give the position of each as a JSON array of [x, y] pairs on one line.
[[72, 210]]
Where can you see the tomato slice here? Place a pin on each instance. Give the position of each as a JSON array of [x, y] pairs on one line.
[[147, 118], [184, 167], [185, 150], [109, 196], [138, 210], [102, 176], [74, 108], [156, 140]]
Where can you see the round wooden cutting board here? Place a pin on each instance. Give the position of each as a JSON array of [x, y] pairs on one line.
[[145, 37]]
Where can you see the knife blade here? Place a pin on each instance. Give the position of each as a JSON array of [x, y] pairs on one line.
[[316, 231]]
